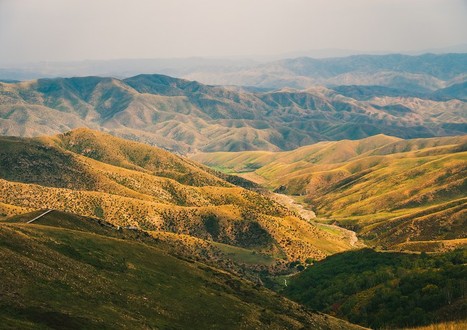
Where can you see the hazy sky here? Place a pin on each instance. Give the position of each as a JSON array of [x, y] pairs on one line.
[[38, 30]]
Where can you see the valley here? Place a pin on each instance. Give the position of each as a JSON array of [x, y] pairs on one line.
[[152, 200], [109, 211], [233, 165], [396, 194]]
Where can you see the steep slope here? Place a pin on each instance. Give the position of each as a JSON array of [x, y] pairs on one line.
[[131, 184], [57, 277], [187, 116], [393, 192]]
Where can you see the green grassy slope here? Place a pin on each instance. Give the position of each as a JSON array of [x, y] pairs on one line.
[[388, 189], [55, 277]]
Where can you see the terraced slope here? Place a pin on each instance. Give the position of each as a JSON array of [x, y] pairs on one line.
[[396, 193], [131, 184], [186, 116], [67, 273]]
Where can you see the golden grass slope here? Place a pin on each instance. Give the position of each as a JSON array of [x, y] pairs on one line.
[[127, 183], [390, 190]]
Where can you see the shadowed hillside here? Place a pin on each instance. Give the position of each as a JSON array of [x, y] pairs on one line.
[[395, 193], [126, 281]]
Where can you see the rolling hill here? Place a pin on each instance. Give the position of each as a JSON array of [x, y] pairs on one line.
[[187, 116], [127, 183], [404, 194], [124, 279]]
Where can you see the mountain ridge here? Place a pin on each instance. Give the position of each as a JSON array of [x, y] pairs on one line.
[[187, 116]]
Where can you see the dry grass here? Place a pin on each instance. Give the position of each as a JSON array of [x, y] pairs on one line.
[[457, 325], [127, 183], [391, 190]]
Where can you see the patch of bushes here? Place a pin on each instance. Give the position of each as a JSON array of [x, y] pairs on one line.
[[382, 290]]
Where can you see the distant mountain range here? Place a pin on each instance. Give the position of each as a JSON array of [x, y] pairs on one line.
[[423, 73], [295, 70], [397, 95]]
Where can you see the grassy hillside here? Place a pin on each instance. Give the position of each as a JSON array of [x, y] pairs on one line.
[[128, 183], [393, 192], [187, 116], [386, 290], [68, 273]]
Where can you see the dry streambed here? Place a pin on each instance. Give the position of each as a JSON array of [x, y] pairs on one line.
[[310, 216]]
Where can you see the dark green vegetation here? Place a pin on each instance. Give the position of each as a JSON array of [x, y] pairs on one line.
[[187, 116], [397, 194], [386, 290], [69, 272]]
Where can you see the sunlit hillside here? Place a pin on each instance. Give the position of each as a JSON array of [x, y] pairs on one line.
[[131, 184], [395, 193]]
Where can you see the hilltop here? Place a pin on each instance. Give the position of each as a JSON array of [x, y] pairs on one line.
[[403, 194], [125, 279]]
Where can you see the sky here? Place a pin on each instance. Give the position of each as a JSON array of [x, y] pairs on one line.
[[75, 30]]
